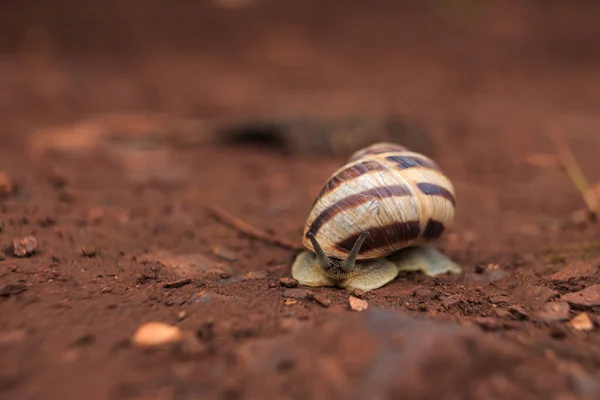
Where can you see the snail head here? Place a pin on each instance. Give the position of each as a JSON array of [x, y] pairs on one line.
[[329, 263]]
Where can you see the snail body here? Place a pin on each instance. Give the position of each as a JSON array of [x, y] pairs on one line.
[[372, 217]]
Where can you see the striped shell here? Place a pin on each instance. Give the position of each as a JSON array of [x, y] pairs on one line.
[[401, 197]]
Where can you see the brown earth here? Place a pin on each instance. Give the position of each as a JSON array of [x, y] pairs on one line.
[[121, 224]]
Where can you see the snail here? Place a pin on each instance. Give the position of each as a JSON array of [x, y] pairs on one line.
[[374, 217]]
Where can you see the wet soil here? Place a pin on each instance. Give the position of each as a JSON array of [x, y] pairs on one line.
[[99, 236]]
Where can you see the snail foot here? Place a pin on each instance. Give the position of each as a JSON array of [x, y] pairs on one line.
[[426, 259], [367, 275]]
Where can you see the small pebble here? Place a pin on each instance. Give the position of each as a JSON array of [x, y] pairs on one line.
[[6, 185], [325, 302], [358, 293], [251, 275], [519, 312], [588, 297], [288, 282], [554, 312], [24, 247], [357, 304], [574, 270], [582, 322], [156, 334], [272, 284], [290, 302], [88, 251]]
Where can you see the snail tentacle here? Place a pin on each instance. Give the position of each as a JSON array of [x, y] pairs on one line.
[[349, 264], [321, 256]]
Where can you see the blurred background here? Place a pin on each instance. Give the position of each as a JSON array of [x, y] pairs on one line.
[[115, 219], [63, 58]]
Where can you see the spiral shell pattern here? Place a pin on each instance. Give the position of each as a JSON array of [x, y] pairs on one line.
[[401, 197]]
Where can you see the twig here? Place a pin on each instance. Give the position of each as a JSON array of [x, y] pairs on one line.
[[575, 173], [177, 284], [247, 229]]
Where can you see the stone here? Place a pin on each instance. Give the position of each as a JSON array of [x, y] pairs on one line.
[[156, 334], [519, 312], [588, 297], [322, 300], [533, 295], [574, 270], [357, 304], [554, 312], [288, 282], [24, 247], [582, 322]]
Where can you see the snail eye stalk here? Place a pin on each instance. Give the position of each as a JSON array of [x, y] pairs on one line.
[[349, 264], [323, 259]]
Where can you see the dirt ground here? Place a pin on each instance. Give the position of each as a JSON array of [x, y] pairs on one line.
[[121, 222]]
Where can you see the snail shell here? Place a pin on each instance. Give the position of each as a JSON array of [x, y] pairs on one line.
[[400, 197]]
